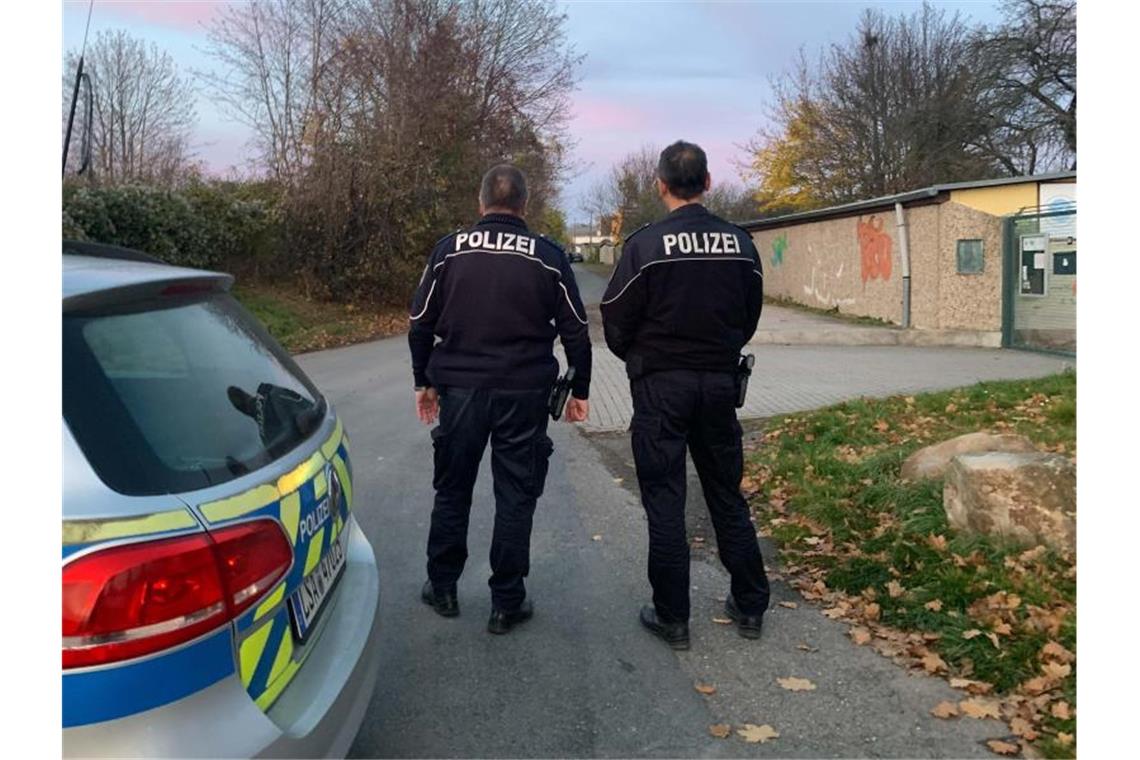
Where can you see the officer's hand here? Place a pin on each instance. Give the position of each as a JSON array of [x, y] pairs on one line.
[[577, 409], [427, 405]]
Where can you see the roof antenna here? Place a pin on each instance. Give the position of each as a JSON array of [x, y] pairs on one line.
[[75, 91]]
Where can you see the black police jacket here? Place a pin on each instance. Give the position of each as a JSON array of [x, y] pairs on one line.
[[497, 295], [686, 294]]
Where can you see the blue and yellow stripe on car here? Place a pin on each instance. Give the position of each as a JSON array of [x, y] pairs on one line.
[[268, 658], [84, 534], [147, 682]]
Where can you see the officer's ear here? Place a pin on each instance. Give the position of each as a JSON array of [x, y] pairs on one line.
[[482, 209], [708, 181], [662, 188]]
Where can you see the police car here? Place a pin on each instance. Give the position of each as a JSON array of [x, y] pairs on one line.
[[219, 598]]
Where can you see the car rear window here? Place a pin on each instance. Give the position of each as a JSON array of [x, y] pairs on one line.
[[173, 396]]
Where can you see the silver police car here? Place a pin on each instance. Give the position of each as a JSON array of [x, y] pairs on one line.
[[219, 598]]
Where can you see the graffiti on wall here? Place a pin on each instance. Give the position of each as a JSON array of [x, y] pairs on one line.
[[874, 249], [779, 245], [823, 287]]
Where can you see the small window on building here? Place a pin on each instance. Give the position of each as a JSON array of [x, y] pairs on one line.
[[1065, 262], [970, 258]]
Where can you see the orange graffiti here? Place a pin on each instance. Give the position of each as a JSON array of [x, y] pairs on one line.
[[874, 249]]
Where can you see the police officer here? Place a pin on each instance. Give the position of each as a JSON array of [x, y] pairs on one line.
[[683, 301], [496, 295]]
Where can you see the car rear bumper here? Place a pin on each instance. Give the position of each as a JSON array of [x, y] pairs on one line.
[[318, 715]]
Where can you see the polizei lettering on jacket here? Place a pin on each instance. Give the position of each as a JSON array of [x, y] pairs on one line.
[[488, 240], [312, 522], [723, 243]]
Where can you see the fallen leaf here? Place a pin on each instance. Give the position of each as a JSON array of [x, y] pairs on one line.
[[993, 639], [1023, 728], [1002, 748], [937, 542], [934, 605], [944, 710], [1003, 629], [1057, 652], [806, 648], [872, 610], [1056, 670], [705, 689], [720, 730], [796, 684], [860, 635], [974, 687], [618, 480], [1038, 685], [596, 537], [972, 633], [1061, 711], [980, 708], [757, 734], [882, 426], [1064, 739], [951, 408], [895, 589], [789, 605], [932, 663], [722, 621]]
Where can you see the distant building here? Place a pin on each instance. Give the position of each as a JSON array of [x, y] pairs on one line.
[[590, 239], [992, 260]]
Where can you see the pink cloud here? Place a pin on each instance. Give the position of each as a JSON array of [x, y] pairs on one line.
[[597, 114], [187, 15]]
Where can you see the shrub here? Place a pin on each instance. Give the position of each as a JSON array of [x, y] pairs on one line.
[[204, 224]]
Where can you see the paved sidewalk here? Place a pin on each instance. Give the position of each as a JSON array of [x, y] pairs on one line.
[[798, 378], [794, 378]]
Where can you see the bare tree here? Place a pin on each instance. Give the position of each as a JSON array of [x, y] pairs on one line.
[[275, 55], [1033, 97], [379, 116], [732, 201], [900, 105], [143, 110]]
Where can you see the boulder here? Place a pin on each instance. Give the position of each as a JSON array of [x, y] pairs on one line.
[[932, 461], [1026, 498]]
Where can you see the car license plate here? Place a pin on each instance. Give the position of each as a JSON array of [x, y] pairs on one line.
[[309, 598]]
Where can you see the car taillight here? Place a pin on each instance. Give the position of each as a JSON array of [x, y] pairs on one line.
[[252, 556], [139, 598]]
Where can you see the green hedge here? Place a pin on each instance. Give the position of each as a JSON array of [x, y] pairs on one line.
[[204, 224]]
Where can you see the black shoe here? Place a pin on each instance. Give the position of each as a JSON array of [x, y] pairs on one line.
[[502, 622], [747, 626], [676, 635], [446, 604]]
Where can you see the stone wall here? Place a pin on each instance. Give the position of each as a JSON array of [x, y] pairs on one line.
[[849, 263], [969, 301], [854, 264]]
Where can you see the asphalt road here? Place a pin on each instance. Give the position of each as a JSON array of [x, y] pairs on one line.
[[582, 679]]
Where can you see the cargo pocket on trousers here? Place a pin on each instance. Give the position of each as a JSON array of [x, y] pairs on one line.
[[439, 441], [645, 435], [543, 448]]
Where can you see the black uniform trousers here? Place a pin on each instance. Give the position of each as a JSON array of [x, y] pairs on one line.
[[672, 409], [515, 421]]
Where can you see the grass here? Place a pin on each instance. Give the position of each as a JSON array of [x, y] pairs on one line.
[[304, 325], [833, 312], [878, 548]]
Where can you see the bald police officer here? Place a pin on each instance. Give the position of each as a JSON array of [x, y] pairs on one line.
[[683, 301], [496, 295]]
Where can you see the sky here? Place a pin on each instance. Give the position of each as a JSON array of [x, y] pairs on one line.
[[654, 72]]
